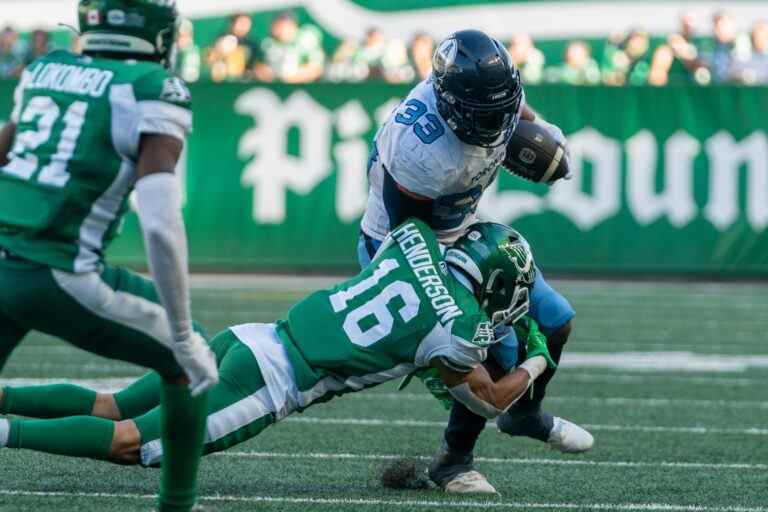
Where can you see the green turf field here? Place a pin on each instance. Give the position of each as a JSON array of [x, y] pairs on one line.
[[671, 378]]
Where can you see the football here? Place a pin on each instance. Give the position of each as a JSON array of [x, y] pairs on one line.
[[535, 155]]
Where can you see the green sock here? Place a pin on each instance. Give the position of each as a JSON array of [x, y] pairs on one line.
[[76, 436], [54, 401], [183, 430], [140, 397]]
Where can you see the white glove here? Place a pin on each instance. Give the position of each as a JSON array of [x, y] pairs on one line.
[[198, 362], [556, 133]]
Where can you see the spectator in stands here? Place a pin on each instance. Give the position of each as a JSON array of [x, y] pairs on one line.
[[233, 53], [292, 53], [754, 69], [626, 59], [579, 67], [11, 53], [528, 59], [375, 59], [678, 60], [188, 60], [721, 56], [422, 49], [345, 65], [40, 44]]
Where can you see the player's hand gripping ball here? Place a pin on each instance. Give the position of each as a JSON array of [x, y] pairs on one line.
[[536, 153]]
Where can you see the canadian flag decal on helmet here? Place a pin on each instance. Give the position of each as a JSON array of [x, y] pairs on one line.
[[93, 17]]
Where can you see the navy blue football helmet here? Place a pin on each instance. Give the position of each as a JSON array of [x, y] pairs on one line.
[[479, 90]]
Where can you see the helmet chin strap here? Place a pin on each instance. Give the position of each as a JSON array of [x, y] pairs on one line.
[[70, 27]]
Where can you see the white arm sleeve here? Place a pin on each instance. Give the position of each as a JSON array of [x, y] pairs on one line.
[[464, 394], [159, 199]]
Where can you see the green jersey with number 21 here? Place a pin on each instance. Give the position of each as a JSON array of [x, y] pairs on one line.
[[401, 312], [73, 163]]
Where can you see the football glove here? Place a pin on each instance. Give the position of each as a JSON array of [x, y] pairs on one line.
[[535, 342], [198, 362]]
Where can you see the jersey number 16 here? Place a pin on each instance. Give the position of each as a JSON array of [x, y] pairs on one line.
[[377, 306]]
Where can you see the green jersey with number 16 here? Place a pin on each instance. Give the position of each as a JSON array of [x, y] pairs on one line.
[[73, 163], [401, 312]]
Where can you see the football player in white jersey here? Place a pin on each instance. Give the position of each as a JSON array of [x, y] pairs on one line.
[[432, 159]]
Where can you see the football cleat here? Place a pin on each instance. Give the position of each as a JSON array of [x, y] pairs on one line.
[[453, 472], [568, 437], [471, 482]]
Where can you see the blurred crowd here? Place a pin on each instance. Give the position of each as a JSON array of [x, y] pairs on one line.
[[293, 52]]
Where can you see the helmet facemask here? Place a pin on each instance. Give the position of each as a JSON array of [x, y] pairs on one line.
[[478, 88], [486, 126], [499, 264], [503, 307]]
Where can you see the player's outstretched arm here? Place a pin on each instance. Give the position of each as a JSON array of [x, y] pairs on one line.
[[159, 198], [484, 396]]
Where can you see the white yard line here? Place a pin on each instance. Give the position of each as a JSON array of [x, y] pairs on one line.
[[599, 402], [473, 504], [494, 460], [607, 378], [375, 422]]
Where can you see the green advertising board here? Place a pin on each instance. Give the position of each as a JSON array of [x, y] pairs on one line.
[[666, 180]]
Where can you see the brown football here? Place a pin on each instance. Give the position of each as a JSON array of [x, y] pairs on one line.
[[534, 155]]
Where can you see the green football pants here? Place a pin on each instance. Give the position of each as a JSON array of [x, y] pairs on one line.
[[239, 407], [114, 313]]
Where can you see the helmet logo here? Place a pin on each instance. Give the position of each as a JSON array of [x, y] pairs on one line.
[[134, 20], [116, 17], [474, 236], [484, 336], [174, 90], [527, 156], [93, 17], [521, 258], [445, 55]]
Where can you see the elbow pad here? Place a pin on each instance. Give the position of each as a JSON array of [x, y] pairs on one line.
[[464, 394]]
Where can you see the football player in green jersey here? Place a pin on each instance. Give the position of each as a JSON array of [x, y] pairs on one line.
[[85, 131], [412, 308]]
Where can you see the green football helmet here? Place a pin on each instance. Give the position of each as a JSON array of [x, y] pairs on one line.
[[145, 28], [499, 262]]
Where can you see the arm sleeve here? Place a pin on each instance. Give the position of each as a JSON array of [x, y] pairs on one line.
[[456, 353], [159, 198]]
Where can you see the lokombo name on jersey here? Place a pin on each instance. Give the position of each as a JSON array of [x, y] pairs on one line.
[[69, 78], [417, 254]]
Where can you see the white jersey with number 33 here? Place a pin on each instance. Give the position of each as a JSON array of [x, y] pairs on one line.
[[423, 155]]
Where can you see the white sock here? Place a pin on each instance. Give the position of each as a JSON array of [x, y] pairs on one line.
[[5, 429]]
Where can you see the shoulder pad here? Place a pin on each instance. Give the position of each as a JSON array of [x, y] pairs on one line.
[[160, 85]]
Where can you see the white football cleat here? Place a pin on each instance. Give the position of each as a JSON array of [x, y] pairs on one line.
[[471, 482], [568, 437]]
